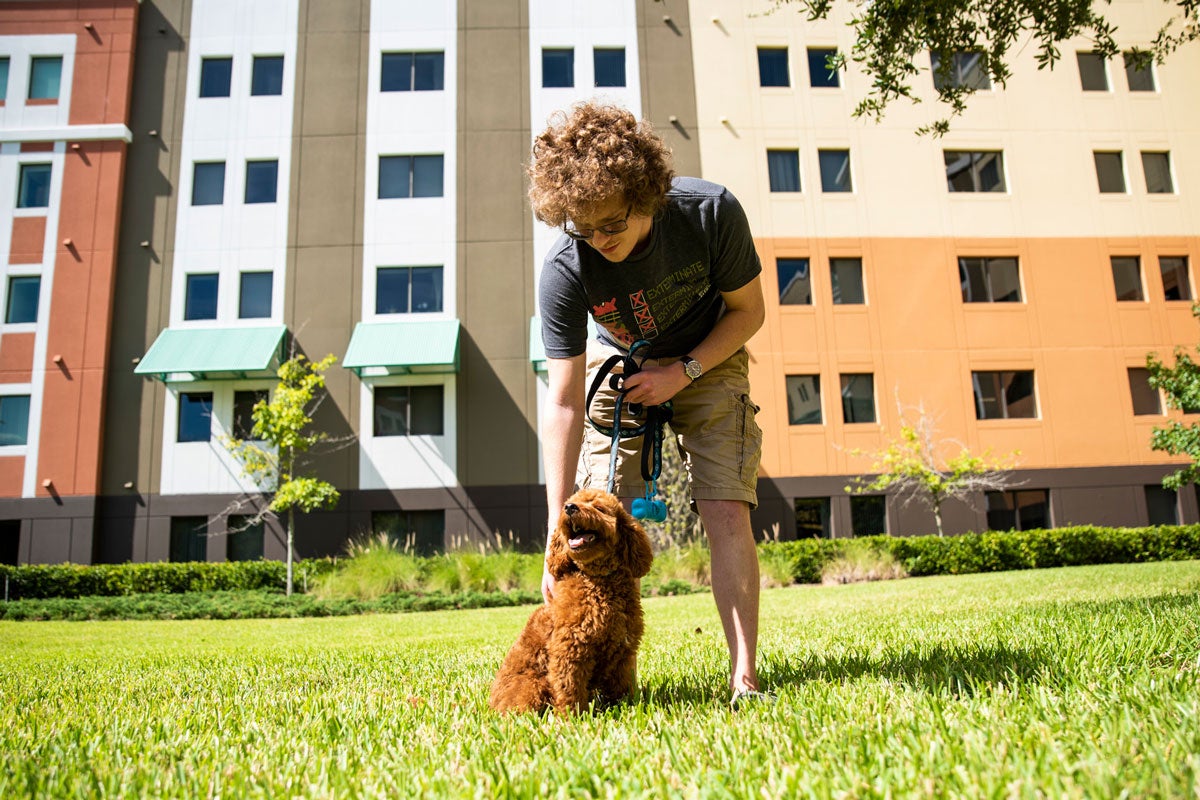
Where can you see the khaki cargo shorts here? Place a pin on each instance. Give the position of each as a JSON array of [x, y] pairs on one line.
[[713, 427]]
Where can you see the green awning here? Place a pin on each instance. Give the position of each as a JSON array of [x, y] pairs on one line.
[[397, 348], [537, 350], [197, 354]]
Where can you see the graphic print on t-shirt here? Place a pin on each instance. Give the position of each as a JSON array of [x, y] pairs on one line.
[[607, 315], [643, 315], [656, 308]]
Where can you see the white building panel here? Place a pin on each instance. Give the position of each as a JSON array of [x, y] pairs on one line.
[[233, 236]]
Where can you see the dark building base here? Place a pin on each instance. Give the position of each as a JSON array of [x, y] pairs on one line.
[[137, 527]]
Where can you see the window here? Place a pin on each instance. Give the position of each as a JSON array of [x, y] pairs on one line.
[[1157, 168], [812, 517], [1139, 74], [974, 171], [1146, 401], [245, 540], [189, 539], [1004, 395], [33, 190], [266, 76], [1023, 510], [208, 183], [963, 71], [22, 303], [421, 532], [819, 73], [608, 66], [558, 68], [261, 180], [412, 72], [773, 66], [408, 410], [14, 419], [858, 398], [410, 176], [804, 399], [215, 76], [200, 296], [244, 402], [783, 170], [195, 416], [989, 280], [835, 170], [845, 274], [254, 295], [1176, 283], [1110, 172], [1093, 72], [402, 290], [10, 541], [1162, 505], [868, 514], [1127, 278], [45, 74], [3, 83], [795, 286]]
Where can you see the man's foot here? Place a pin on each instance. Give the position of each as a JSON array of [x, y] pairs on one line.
[[744, 698]]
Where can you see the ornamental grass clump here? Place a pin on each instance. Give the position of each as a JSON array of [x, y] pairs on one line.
[[859, 562], [375, 566]]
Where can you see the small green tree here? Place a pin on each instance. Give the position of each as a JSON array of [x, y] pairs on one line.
[[1181, 385], [682, 525], [278, 440], [910, 468]]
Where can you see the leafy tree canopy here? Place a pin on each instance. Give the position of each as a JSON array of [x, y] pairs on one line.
[[893, 36]]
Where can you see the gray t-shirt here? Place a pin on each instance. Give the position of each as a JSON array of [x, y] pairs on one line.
[[669, 294]]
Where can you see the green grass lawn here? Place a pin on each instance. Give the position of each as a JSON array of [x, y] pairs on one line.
[[1081, 682]]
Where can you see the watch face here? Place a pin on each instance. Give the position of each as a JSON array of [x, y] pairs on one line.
[[692, 368]]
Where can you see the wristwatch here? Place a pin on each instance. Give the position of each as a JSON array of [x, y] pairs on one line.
[[691, 368]]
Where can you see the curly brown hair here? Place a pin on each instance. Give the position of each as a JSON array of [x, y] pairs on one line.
[[595, 153]]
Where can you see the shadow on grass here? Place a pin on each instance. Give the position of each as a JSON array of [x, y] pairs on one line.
[[965, 669], [954, 670]]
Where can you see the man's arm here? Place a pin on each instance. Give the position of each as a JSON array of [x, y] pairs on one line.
[[562, 437], [745, 311]]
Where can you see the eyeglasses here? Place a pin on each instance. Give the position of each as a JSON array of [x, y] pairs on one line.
[[612, 229]]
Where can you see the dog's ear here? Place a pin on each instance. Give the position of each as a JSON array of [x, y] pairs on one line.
[[634, 547], [558, 560]]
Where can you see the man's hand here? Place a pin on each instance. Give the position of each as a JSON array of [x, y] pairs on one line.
[[547, 584], [654, 385]]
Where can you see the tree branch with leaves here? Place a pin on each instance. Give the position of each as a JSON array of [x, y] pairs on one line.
[[892, 38], [1181, 386]]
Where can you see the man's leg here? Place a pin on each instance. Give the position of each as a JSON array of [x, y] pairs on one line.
[[734, 584]]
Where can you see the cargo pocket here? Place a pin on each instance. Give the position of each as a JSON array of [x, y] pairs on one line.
[[749, 440]]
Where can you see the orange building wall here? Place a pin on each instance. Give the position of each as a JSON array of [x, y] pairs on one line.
[[78, 328], [28, 240], [922, 342]]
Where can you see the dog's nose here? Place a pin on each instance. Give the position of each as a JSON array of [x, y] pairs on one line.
[[570, 508]]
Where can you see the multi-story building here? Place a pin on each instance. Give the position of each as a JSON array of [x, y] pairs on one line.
[[200, 188]]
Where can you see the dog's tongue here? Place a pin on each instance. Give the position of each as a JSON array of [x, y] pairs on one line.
[[580, 538]]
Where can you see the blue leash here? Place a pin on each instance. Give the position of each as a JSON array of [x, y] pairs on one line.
[[647, 508]]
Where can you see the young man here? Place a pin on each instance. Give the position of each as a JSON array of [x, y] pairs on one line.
[[670, 261]]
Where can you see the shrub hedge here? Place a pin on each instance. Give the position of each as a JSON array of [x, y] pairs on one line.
[[31, 581], [802, 559], [255, 604], [1010, 550]]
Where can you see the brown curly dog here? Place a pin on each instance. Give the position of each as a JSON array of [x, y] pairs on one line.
[[581, 647]]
